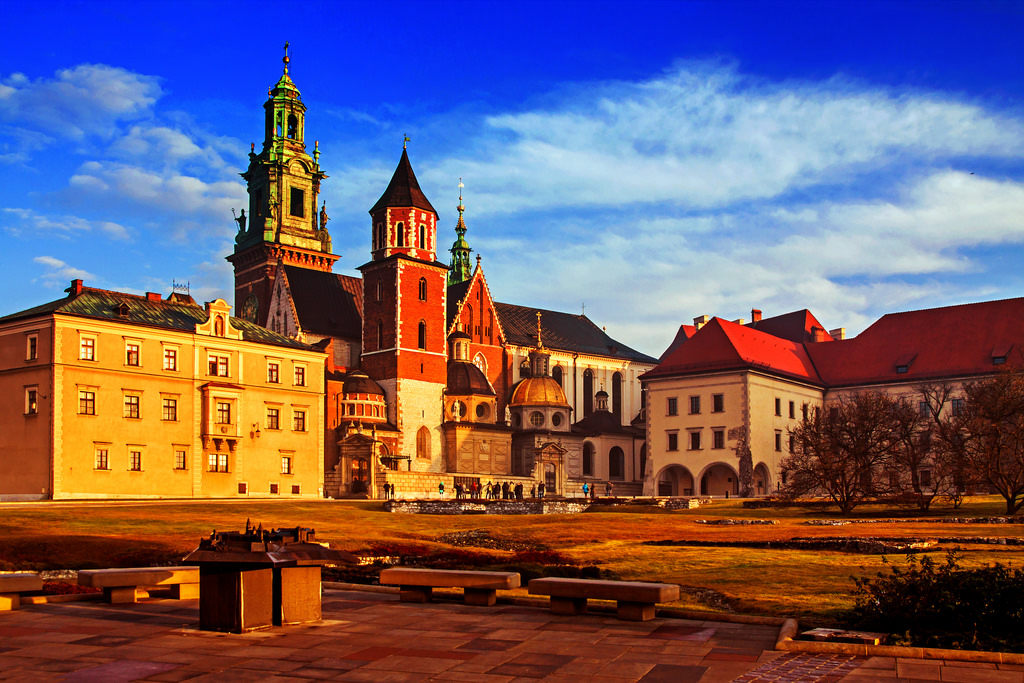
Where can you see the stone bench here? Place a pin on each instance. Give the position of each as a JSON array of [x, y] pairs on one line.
[[123, 585], [478, 588], [635, 599], [13, 585]]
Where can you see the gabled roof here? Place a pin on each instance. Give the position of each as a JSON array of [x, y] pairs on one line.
[[563, 332], [458, 295], [139, 310], [797, 326], [404, 189], [931, 344], [326, 303], [723, 345], [684, 333]]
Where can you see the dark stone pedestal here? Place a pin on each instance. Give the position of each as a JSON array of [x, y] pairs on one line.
[[235, 600]]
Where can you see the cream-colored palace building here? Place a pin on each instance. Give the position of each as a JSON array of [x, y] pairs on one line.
[[118, 395]]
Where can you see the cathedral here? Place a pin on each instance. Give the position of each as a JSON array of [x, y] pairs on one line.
[[429, 379]]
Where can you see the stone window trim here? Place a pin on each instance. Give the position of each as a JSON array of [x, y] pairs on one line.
[[222, 411], [287, 463], [170, 362], [132, 353], [169, 408], [672, 406], [717, 403], [273, 372], [32, 400], [217, 461], [101, 461], [718, 438], [134, 459], [87, 347], [297, 202], [695, 405], [672, 438], [273, 418], [180, 458], [218, 365], [32, 346], [693, 439], [299, 372], [87, 400], [299, 420]]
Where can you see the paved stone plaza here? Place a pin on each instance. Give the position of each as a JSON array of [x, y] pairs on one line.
[[372, 637]]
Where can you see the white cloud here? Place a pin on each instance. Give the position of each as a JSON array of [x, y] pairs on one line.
[[59, 271], [27, 223], [88, 99]]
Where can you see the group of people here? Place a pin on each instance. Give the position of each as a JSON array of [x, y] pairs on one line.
[[505, 490], [389, 491]]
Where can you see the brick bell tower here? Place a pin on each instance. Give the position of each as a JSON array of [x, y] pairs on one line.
[[404, 300], [283, 182]]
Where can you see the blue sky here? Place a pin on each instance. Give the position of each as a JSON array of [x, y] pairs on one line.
[[654, 161]]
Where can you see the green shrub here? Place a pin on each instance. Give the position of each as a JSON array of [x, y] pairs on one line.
[[929, 604]]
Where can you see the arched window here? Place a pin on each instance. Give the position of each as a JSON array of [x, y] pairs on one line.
[[380, 335], [616, 463], [400, 235], [481, 363], [380, 290], [218, 326], [556, 374], [423, 443], [423, 237], [588, 459], [588, 392], [617, 397], [422, 336], [423, 289], [469, 321], [380, 236], [293, 127]]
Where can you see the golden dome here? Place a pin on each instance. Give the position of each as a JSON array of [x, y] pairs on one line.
[[538, 391]]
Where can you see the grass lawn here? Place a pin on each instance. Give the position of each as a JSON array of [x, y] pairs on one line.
[[813, 585]]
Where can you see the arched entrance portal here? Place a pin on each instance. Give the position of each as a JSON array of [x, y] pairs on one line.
[[719, 480], [674, 480], [762, 480]]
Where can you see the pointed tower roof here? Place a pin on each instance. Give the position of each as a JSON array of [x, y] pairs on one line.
[[459, 270], [404, 189]]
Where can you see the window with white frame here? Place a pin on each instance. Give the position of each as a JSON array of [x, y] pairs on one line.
[[102, 459], [86, 402], [273, 418], [223, 412], [170, 358], [286, 464], [218, 365], [180, 459], [132, 406], [135, 461], [87, 348], [32, 347], [31, 400], [132, 353], [169, 410], [299, 421], [300, 375], [273, 372]]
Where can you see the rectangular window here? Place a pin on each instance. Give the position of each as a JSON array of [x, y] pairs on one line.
[[792, 410], [778, 407], [295, 489], [673, 406], [673, 441], [180, 459], [87, 348], [957, 407], [297, 207], [223, 413], [131, 406], [32, 347], [131, 353], [102, 459], [778, 442], [926, 478], [694, 441], [718, 438], [273, 418], [695, 405], [31, 401], [923, 410], [286, 464], [135, 461], [170, 409], [792, 443], [803, 410], [273, 373], [299, 421], [170, 359], [218, 366], [718, 403], [300, 376], [273, 488], [86, 402], [217, 462]]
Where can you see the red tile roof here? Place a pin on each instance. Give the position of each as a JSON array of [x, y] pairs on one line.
[[934, 343], [404, 189], [684, 333], [724, 345]]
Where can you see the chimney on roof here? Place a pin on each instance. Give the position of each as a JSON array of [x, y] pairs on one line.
[[818, 334], [838, 334], [701, 320], [75, 289], [755, 315], [153, 296], [740, 321]]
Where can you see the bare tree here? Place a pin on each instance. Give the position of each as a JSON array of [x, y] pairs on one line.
[[991, 424], [948, 443], [842, 450], [914, 476]]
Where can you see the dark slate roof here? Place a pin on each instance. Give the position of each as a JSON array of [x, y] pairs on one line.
[[404, 189], [562, 331], [171, 315], [327, 303], [796, 326], [456, 293], [603, 422]]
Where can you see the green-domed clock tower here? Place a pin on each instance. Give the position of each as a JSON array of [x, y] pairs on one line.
[[283, 223]]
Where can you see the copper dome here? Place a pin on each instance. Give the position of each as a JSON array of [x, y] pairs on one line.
[[359, 383], [538, 391], [465, 379]]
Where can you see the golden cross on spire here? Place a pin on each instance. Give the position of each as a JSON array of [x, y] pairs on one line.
[[405, 139], [286, 58], [540, 344]]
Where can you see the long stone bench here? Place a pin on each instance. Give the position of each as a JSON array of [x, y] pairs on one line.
[[13, 585], [635, 599], [124, 584], [478, 588]]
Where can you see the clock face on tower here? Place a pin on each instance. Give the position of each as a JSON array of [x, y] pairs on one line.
[[250, 308]]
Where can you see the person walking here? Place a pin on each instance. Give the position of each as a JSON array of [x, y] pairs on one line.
[[585, 489], [540, 489], [440, 488]]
